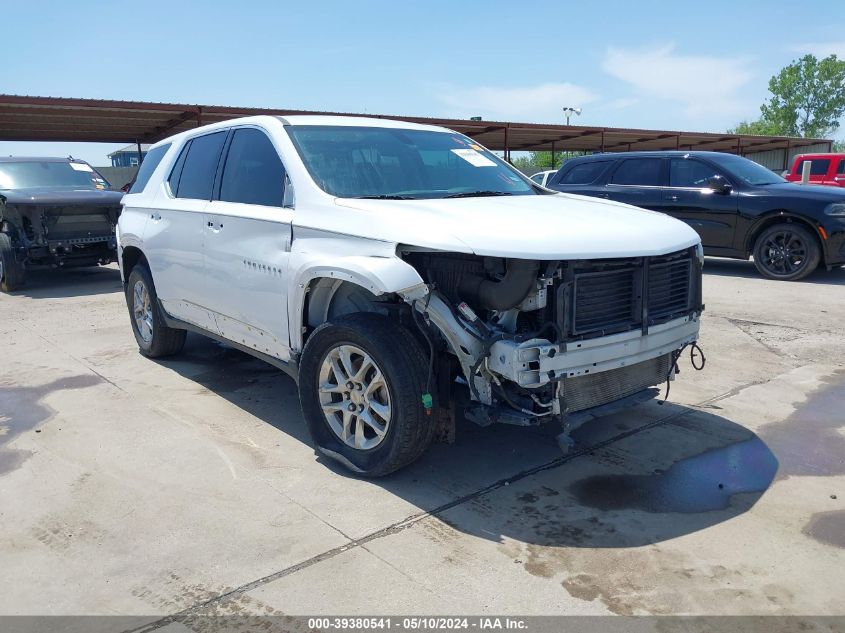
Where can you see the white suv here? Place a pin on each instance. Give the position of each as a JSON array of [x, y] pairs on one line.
[[395, 269]]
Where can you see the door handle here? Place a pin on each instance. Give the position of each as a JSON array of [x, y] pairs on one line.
[[155, 216], [673, 198], [604, 195], [215, 227]]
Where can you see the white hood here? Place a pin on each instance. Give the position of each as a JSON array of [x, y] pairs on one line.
[[560, 226]]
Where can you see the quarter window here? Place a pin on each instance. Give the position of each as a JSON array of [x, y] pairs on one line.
[[151, 161], [253, 174], [684, 172], [584, 174], [819, 167], [200, 166], [644, 172]]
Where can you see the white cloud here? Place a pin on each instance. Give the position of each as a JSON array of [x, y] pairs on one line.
[[532, 104], [706, 86], [821, 49]]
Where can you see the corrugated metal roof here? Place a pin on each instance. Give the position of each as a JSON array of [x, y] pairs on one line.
[[29, 118]]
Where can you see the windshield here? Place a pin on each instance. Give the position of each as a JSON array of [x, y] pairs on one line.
[[369, 162], [50, 174], [747, 171]]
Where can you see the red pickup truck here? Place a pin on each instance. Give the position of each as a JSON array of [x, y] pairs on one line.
[[826, 169]]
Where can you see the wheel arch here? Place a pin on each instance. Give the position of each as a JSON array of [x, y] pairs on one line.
[[781, 217], [130, 257], [336, 286]]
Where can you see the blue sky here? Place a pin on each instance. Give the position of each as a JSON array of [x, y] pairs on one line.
[[669, 65]]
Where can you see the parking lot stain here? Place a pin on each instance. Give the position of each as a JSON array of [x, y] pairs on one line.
[[810, 442], [827, 528], [22, 409], [701, 483]]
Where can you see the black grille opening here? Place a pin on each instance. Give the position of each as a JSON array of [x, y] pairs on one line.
[[605, 300], [600, 297], [668, 289]]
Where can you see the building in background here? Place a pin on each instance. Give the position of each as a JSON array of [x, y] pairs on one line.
[[128, 156]]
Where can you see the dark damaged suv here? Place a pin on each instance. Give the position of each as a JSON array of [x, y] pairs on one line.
[[54, 212]]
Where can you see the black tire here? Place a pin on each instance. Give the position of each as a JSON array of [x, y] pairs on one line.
[[159, 340], [12, 273], [404, 365], [786, 252]]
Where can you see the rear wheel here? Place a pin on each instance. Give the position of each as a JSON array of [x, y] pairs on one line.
[[787, 252], [11, 271], [361, 383], [154, 338]]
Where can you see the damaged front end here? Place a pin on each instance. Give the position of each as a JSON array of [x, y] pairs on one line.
[[539, 340], [50, 233]]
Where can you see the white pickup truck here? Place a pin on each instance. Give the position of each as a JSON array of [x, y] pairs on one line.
[[395, 269]]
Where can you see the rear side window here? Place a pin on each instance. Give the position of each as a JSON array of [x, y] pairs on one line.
[[819, 167], [644, 172], [584, 173], [841, 169], [201, 156], [538, 178], [254, 173], [151, 161]]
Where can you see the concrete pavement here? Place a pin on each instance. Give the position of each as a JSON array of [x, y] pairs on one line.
[[135, 487]]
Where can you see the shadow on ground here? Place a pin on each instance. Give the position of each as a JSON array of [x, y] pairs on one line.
[[642, 476], [746, 269], [71, 282]]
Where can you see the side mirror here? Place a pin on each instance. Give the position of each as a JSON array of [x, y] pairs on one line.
[[718, 184]]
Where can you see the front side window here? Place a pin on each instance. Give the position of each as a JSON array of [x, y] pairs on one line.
[[744, 170], [253, 174], [200, 166], [585, 173], [50, 174], [644, 172], [684, 172], [397, 163], [145, 171], [818, 166]]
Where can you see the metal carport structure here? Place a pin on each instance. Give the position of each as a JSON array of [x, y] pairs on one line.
[[30, 118]]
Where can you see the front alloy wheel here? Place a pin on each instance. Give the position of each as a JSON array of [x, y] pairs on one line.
[[786, 252], [354, 397], [361, 381]]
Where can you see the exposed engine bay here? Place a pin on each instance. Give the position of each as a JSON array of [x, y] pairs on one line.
[[542, 339]]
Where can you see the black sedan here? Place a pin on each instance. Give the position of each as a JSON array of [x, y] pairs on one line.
[[739, 207], [54, 212]]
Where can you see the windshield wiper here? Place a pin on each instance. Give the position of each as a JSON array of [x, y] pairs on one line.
[[386, 197], [478, 194]]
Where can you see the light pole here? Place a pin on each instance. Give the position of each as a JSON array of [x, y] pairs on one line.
[[568, 111]]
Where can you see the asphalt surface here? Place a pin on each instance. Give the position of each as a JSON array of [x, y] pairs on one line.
[[188, 486]]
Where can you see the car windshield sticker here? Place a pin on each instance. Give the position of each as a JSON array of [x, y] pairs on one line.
[[474, 158], [81, 166]]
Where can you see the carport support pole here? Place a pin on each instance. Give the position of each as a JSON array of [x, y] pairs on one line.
[[507, 151], [140, 155], [553, 154]]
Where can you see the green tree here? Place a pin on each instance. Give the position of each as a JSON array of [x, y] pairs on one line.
[[541, 161], [839, 146], [758, 127], [808, 99]]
